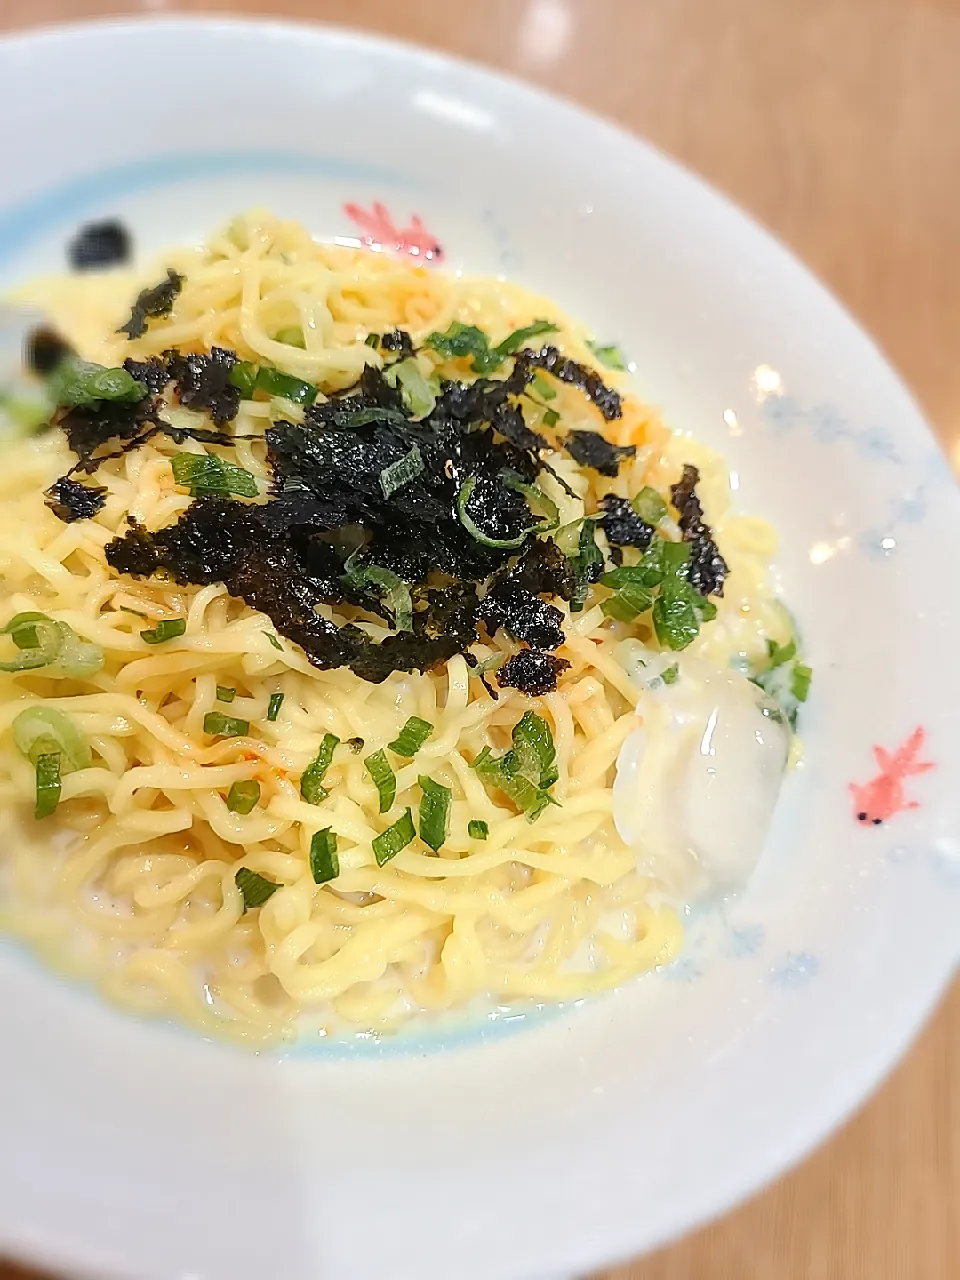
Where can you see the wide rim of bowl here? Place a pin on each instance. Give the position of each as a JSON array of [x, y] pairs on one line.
[[747, 1174]]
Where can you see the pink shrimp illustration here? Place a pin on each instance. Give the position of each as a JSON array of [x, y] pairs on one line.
[[883, 797], [379, 232]]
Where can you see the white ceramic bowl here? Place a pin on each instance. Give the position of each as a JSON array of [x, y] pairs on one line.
[[137, 1150]]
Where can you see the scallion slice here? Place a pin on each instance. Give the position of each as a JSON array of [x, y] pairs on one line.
[[48, 784], [205, 473], [395, 838], [166, 629], [273, 640], [419, 394], [434, 812], [42, 642], [384, 779], [243, 376], [670, 675], [401, 472], [222, 726], [273, 707], [311, 784], [78, 384], [533, 733], [243, 796], [41, 731], [256, 889], [543, 387], [471, 526], [478, 829], [551, 418], [393, 589], [225, 693], [537, 499], [649, 506], [275, 383], [292, 337], [586, 565], [411, 737], [324, 863], [608, 353], [526, 795]]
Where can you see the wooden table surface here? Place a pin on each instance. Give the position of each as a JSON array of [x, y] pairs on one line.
[[836, 123]]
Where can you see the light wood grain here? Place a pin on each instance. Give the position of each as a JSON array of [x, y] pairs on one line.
[[837, 124]]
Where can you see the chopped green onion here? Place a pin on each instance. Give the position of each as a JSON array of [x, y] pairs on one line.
[[411, 737], [669, 675], [608, 353], [385, 780], [275, 383], [273, 708], [679, 609], [477, 829], [311, 787], [225, 693], [41, 731], [48, 785], [77, 383], [647, 572], [535, 498], [372, 340], [551, 418], [166, 629], [800, 682], [273, 640], [45, 643], [630, 601], [419, 394], [222, 726], [462, 340], [324, 863], [256, 889], [471, 526], [204, 473], [434, 812], [24, 415], [401, 472], [543, 387], [292, 337], [649, 506], [393, 589], [39, 639], [585, 564], [243, 376], [781, 653], [395, 838], [533, 750], [243, 796], [526, 795]]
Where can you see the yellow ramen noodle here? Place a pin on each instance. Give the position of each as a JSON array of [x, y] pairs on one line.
[[131, 882]]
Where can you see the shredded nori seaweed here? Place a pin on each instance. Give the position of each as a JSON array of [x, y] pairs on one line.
[[150, 303], [591, 449], [71, 500], [708, 569], [532, 672], [327, 505], [203, 382], [577, 375], [623, 526]]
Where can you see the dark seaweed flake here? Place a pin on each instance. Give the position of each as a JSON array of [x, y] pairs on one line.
[[708, 569], [591, 449], [70, 500], [577, 375], [153, 373], [622, 525], [532, 672], [522, 615], [44, 349], [151, 303], [398, 340], [100, 244], [203, 382]]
